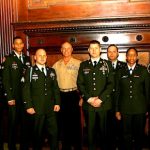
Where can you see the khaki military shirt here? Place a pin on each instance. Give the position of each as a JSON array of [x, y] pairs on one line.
[[67, 73]]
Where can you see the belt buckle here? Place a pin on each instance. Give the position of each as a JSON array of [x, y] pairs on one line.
[[68, 90]]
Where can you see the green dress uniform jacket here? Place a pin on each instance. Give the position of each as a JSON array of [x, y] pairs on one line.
[[13, 80], [41, 92], [13, 76], [96, 81], [1, 85], [1, 108], [119, 66], [115, 126], [132, 91]]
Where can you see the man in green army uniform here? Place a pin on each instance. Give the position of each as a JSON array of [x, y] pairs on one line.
[[132, 99], [2, 107], [95, 82], [115, 126], [42, 100], [15, 66]]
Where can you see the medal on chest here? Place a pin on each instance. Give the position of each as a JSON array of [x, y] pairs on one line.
[[35, 76], [14, 65], [103, 69]]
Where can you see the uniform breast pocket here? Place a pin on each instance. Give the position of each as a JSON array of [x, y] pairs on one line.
[[35, 80], [138, 80], [125, 82], [50, 81], [36, 83]]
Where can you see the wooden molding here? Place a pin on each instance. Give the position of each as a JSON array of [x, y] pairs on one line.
[[94, 24], [124, 32]]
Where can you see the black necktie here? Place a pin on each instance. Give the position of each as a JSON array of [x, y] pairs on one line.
[[20, 58], [113, 65], [95, 63], [43, 70]]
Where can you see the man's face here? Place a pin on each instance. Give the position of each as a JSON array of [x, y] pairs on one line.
[[112, 53], [94, 50], [40, 57], [66, 49], [18, 45], [131, 57]]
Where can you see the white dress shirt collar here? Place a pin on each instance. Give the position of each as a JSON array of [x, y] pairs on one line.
[[40, 68], [114, 63], [18, 54], [95, 59], [129, 67]]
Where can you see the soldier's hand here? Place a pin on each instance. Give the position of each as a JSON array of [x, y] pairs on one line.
[[97, 102], [30, 111], [56, 108], [80, 102], [90, 100], [11, 102], [118, 115]]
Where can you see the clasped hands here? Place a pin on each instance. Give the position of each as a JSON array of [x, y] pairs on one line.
[[94, 101]]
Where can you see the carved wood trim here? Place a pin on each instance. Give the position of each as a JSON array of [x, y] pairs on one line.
[[133, 31], [84, 25]]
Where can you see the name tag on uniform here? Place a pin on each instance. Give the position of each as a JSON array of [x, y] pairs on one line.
[[124, 77], [86, 71], [14, 65]]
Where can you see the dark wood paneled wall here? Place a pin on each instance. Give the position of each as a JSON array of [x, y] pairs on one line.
[[48, 23], [7, 16], [46, 10]]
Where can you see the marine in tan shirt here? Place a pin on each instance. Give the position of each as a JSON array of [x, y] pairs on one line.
[[67, 72]]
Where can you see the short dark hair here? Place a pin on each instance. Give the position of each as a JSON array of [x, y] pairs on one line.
[[16, 37], [95, 42], [130, 49], [112, 45]]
